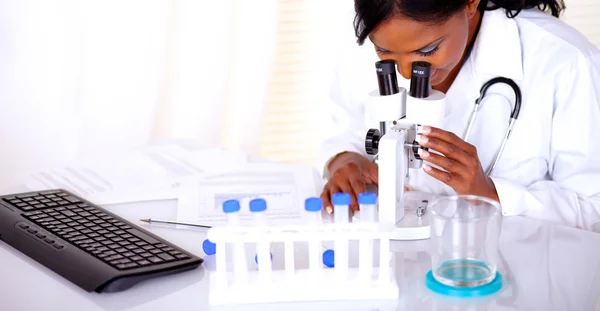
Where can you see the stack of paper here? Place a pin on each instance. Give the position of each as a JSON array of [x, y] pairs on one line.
[[285, 187], [149, 173], [200, 178]]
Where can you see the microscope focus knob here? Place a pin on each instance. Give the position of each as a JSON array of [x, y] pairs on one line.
[[372, 141]]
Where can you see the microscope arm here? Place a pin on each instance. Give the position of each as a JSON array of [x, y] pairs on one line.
[[393, 170]]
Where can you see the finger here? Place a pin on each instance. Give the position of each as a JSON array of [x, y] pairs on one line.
[[347, 188], [371, 173], [440, 175], [358, 186], [448, 137], [333, 189], [447, 149], [406, 188], [326, 198], [448, 164]]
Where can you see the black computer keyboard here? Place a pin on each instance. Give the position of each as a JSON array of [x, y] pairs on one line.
[[89, 246]]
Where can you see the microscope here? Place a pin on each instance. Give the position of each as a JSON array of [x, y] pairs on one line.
[[396, 149]]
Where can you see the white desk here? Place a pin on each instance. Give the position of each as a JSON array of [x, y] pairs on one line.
[[549, 268]]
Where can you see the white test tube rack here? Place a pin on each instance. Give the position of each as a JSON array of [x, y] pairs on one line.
[[368, 281]]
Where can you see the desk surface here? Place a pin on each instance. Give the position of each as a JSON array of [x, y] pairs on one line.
[[547, 267]]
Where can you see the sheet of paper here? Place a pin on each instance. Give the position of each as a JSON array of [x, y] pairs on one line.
[[149, 173], [285, 187]]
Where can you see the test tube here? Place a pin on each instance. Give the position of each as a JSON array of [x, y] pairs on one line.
[[341, 210], [232, 208], [367, 202], [209, 247], [329, 258], [313, 207], [262, 258]]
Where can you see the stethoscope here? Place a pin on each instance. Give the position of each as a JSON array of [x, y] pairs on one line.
[[513, 116]]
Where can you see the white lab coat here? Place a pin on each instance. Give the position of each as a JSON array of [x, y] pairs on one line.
[[550, 168]]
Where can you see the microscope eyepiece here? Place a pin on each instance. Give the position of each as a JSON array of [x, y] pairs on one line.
[[419, 79], [386, 77]]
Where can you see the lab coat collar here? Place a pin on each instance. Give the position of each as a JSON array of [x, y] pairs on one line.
[[497, 49]]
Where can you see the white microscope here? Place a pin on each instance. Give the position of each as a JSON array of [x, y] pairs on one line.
[[396, 149]]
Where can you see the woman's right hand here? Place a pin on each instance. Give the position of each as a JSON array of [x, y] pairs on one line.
[[350, 172]]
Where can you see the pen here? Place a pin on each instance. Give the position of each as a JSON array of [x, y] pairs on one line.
[[150, 220]]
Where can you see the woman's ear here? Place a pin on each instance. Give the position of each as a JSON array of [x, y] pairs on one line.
[[472, 7]]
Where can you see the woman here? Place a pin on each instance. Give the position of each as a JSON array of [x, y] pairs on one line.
[[550, 168]]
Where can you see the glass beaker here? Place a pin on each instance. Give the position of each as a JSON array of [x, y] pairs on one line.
[[464, 239]]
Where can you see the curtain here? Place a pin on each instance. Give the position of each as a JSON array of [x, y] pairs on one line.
[[82, 77]]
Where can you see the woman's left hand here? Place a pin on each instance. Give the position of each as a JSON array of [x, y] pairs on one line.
[[463, 171]]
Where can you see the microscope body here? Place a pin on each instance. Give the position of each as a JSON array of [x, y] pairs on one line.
[[396, 149]]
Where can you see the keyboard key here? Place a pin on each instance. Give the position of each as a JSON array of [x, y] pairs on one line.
[[23, 226], [124, 260], [28, 195], [127, 265], [155, 259], [166, 257], [69, 213], [143, 236], [50, 192], [113, 257], [110, 253], [167, 249], [71, 199]]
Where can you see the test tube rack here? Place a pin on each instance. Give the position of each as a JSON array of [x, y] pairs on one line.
[[242, 285]]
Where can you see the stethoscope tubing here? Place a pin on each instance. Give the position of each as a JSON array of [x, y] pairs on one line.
[[513, 116]]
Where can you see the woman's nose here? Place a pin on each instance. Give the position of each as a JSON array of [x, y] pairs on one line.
[[405, 69]]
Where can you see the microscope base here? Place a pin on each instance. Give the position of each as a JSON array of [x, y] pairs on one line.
[[411, 227]]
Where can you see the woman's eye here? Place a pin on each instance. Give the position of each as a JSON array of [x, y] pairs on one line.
[[382, 51], [428, 51]]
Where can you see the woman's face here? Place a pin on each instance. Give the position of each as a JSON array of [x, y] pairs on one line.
[[442, 45]]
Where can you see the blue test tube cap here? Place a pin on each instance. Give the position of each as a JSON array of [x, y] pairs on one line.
[[329, 258], [256, 258], [209, 247], [340, 198], [231, 206], [367, 198], [314, 204], [258, 205]]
